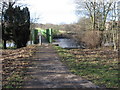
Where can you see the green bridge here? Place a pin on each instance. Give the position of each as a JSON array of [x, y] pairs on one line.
[[38, 33]]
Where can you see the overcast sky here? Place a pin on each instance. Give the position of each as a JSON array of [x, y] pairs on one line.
[[52, 11]]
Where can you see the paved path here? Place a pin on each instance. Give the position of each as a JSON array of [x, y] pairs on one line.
[[48, 71]]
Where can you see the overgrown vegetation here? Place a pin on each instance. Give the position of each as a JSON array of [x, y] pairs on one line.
[[92, 39], [97, 65]]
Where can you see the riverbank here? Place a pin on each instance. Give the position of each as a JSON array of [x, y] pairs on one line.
[[100, 66]]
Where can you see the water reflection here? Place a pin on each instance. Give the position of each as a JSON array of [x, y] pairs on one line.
[[67, 43], [11, 44]]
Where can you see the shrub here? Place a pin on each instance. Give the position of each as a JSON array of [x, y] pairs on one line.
[[92, 39]]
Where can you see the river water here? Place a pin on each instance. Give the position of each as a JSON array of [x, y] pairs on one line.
[[11, 44], [67, 43], [62, 42]]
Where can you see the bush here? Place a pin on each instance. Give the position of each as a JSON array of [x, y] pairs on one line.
[[92, 39]]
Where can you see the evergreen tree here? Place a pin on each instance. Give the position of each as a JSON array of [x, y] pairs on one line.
[[17, 25]]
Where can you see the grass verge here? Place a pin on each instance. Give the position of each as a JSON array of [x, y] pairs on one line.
[[99, 66]]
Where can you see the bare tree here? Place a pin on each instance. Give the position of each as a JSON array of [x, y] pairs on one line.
[[97, 11], [85, 24], [115, 27]]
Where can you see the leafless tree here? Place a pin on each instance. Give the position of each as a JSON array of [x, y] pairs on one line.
[[96, 10]]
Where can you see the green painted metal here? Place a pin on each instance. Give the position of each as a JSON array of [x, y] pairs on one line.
[[43, 31], [49, 35], [35, 36]]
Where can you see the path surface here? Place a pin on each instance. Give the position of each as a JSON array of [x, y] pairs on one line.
[[48, 71]]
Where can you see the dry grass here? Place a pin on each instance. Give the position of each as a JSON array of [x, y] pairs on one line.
[[14, 64]]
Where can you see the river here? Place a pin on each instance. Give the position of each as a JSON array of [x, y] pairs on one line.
[[67, 43]]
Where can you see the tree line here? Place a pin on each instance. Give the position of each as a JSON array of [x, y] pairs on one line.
[[100, 23], [103, 18]]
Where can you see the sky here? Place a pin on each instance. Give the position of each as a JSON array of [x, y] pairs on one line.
[[52, 11]]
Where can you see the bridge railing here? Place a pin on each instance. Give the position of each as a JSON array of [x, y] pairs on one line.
[[37, 34]]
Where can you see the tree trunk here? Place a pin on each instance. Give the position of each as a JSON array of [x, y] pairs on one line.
[[94, 16], [4, 44]]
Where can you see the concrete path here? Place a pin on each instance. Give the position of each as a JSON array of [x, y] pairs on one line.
[[48, 71]]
